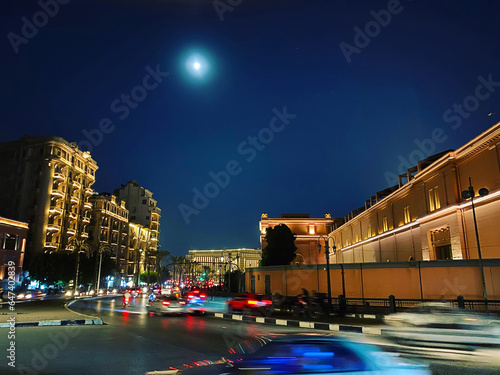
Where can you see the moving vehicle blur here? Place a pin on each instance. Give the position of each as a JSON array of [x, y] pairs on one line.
[[249, 303], [166, 305], [305, 354], [441, 315]]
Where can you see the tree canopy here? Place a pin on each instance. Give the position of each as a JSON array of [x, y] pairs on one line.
[[280, 249]]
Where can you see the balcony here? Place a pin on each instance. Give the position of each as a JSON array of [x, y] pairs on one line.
[[88, 191], [76, 185], [72, 216], [87, 205], [71, 232], [51, 245], [55, 211], [57, 193], [59, 176], [53, 227], [85, 235], [86, 219], [74, 200]]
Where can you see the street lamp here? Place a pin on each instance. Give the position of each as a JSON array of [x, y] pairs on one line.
[[466, 194], [327, 257], [78, 243]]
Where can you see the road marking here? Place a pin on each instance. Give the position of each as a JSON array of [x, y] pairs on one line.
[[334, 327], [306, 324]]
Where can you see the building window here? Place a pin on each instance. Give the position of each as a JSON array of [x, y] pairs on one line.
[[144, 201], [434, 202], [312, 229], [369, 230], [407, 214], [384, 224]]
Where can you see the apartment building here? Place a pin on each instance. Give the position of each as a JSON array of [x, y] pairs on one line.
[[46, 182], [143, 210], [426, 217], [108, 231]]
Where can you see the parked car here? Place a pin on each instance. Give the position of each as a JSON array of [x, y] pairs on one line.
[[305, 354], [166, 305], [249, 303]]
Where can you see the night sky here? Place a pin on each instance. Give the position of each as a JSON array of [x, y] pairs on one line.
[[309, 106]]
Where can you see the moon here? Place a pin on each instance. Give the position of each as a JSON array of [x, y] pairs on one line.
[[197, 65]]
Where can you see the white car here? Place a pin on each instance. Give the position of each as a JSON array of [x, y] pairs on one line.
[[166, 305], [441, 315]]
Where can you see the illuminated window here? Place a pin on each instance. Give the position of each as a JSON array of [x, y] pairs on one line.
[[407, 214], [436, 198], [312, 229], [384, 224], [434, 202]]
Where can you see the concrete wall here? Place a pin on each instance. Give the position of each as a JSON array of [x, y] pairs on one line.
[[416, 280]]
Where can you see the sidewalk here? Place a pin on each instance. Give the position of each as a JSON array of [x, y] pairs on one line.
[[46, 312]]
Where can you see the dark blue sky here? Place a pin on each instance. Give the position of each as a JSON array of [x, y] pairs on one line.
[[355, 121]]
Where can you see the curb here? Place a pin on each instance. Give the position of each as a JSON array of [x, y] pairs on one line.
[[298, 323], [55, 323]]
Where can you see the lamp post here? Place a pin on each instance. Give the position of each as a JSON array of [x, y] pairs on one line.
[[327, 257], [229, 260], [466, 194], [78, 243]]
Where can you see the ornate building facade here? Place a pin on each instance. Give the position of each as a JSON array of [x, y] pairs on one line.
[[308, 231], [108, 231], [47, 183], [427, 218]]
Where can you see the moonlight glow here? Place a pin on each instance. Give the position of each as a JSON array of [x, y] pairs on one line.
[[197, 65]]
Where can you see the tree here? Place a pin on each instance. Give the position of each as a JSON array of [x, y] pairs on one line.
[[280, 249]]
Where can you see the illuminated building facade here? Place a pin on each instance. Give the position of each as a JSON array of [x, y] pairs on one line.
[[12, 246], [46, 181], [307, 231], [108, 231], [143, 210], [426, 217], [218, 260]]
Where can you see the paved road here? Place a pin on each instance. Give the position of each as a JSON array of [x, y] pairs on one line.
[[133, 343]]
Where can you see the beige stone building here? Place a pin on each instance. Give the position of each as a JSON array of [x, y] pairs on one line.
[[143, 210], [46, 181], [108, 231], [308, 232], [426, 217]]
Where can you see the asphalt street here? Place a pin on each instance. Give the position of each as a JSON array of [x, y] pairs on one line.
[[132, 342]]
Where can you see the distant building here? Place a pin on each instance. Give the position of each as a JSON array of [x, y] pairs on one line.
[[108, 231], [143, 210], [218, 260], [46, 181], [425, 217], [308, 232], [12, 246]]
